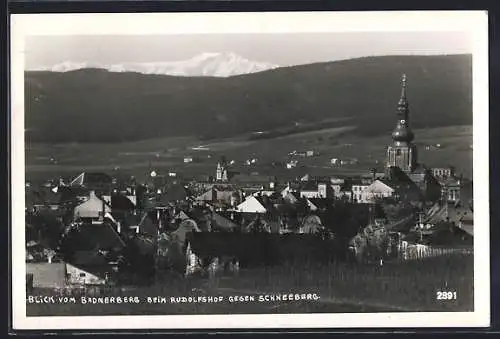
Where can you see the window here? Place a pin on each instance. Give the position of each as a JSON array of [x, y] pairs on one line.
[[82, 275], [398, 152]]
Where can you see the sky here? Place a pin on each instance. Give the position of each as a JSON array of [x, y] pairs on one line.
[[281, 49]]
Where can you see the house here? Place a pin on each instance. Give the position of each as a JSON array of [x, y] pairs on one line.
[[291, 164], [252, 205], [46, 275], [359, 190], [185, 227], [71, 195], [93, 209], [267, 193], [95, 250], [428, 184], [120, 202], [325, 190], [42, 199], [345, 191], [309, 189], [450, 190], [292, 197], [188, 160], [415, 186], [224, 194], [137, 223], [335, 189], [443, 172], [380, 189], [88, 270], [253, 182]]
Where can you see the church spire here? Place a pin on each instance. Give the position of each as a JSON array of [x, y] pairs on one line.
[[403, 107]]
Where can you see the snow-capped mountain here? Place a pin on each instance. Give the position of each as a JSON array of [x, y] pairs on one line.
[[205, 64]]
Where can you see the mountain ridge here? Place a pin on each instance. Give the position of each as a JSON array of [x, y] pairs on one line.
[[215, 64], [104, 106]]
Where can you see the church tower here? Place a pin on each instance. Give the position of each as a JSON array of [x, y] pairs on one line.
[[402, 153], [221, 174]]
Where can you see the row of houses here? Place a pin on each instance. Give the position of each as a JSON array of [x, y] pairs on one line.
[[238, 203]]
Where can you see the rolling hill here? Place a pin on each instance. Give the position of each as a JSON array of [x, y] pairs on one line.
[[95, 105]]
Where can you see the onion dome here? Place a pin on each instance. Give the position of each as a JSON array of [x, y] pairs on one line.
[[402, 132]]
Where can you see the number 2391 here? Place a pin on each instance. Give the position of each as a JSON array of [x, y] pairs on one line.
[[446, 295]]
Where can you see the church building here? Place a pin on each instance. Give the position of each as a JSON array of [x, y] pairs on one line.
[[402, 155]]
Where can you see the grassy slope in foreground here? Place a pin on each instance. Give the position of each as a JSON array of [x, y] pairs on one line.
[[409, 286]]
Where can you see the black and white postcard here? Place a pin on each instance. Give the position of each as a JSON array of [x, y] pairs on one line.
[[250, 170]]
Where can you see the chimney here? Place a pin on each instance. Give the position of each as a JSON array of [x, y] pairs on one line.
[[103, 210]]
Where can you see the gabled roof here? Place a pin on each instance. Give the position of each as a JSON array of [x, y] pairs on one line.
[[321, 203], [420, 169], [91, 178], [388, 183], [253, 204], [399, 178], [198, 214], [121, 202], [293, 196], [182, 215], [70, 193], [448, 236], [222, 222], [92, 237]]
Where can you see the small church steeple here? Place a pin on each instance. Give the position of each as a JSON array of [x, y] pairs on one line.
[[221, 174]]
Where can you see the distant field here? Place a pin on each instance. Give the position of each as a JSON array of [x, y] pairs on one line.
[[394, 287], [167, 154]]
